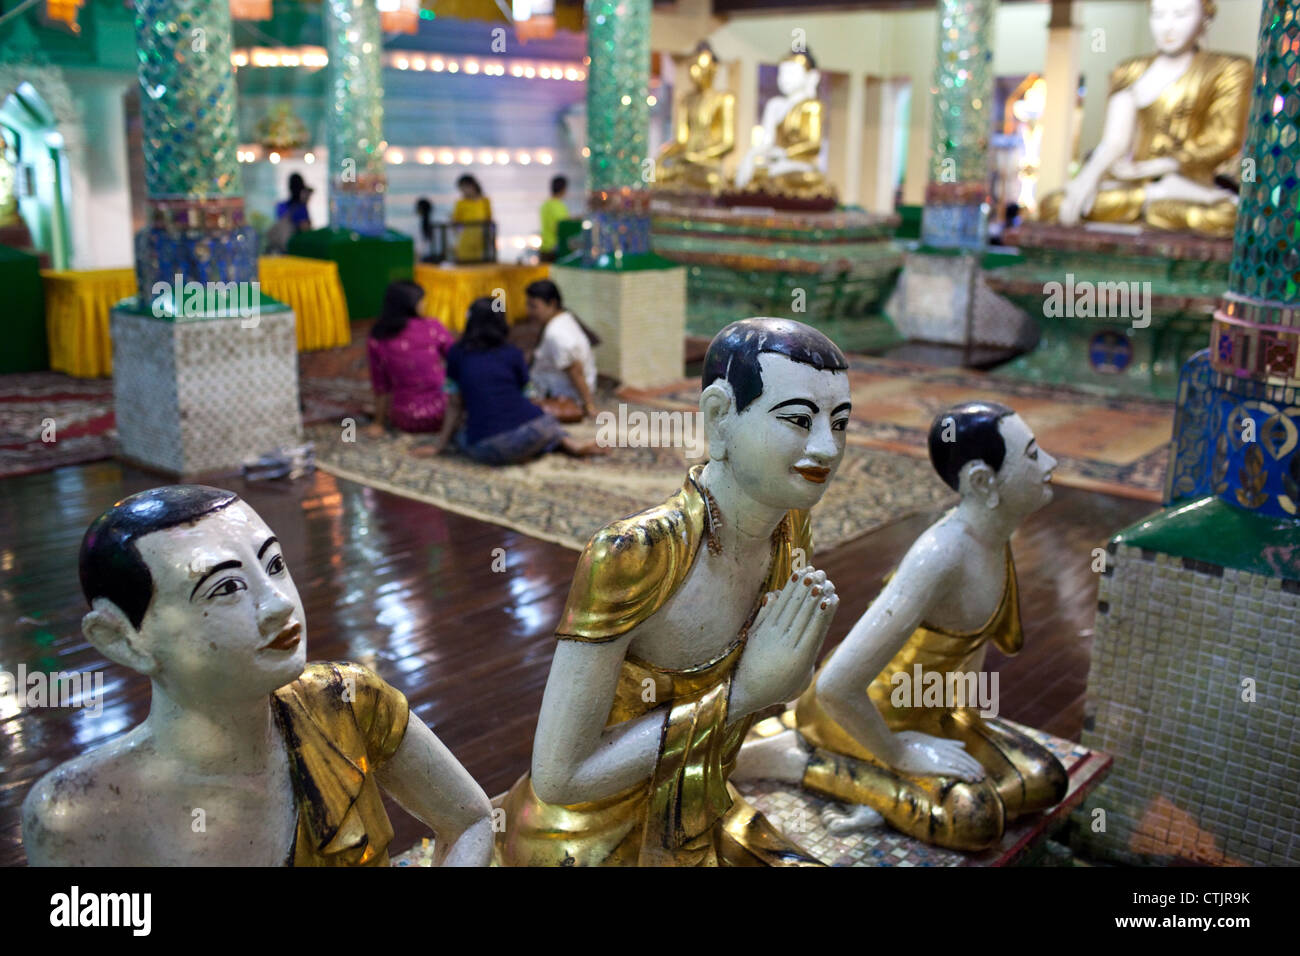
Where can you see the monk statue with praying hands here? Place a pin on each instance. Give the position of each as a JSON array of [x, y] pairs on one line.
[[686, 620], [249, 756], [898, 722]]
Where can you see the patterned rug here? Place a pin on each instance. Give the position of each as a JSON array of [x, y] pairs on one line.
[[565, 500], [1115, 445], [48, 420]]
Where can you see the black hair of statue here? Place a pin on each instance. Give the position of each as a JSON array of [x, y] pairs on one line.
[[111, 565], [976, 436], [733, 353]]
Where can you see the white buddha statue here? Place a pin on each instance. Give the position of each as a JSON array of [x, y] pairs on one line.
[[1174, 120], [783, 158]]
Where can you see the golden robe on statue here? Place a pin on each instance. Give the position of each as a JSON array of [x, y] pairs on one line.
[[341, 723], [686, 814], [1199, 120], [1022, 776]]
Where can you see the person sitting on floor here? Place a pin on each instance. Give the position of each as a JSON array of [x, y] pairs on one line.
[[564, 366], [501, 426], [406, 353]]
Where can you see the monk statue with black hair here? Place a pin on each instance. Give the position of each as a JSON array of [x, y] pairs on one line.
[[249, 755], [891, 723], [686, 620]]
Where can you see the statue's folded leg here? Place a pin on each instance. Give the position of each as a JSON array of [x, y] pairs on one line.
[[939, 810], [1213, 219], [1121, 204], [1028, 777]]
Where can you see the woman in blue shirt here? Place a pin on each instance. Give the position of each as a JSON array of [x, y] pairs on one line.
[[501, 426]]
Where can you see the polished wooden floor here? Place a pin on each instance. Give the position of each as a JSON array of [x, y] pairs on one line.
[[409, 590]]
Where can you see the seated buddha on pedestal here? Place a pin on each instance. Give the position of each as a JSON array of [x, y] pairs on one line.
[[783, 159], [1173, 120], [704, 131]]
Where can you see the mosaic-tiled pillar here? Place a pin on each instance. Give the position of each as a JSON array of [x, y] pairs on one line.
[[205, 367], [187, 111], [1195, 659], [961, 98], [1238, 425], [618, 129], [618, 82], [355, 105]]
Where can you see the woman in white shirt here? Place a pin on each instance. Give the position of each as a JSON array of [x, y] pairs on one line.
[[563, 363]]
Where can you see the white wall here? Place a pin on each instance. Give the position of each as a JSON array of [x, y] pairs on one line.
[[100, 213]]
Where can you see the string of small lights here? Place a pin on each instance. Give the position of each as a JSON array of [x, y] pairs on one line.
[[315, 57]]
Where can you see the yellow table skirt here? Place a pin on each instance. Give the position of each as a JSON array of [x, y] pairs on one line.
[[76, 318], [310, 287], [449, 290], [78, 303]]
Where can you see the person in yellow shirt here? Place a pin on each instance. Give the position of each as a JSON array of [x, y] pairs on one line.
[[474, 210], [553, 212]]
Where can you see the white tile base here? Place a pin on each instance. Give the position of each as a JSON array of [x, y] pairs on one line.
[[204, 396], [640, 317]]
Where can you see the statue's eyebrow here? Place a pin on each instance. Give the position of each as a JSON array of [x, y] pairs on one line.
[[223, 566], [266, 544], [845, 407], [796, 401]]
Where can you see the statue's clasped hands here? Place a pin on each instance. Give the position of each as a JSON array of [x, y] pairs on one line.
[[784, 640]]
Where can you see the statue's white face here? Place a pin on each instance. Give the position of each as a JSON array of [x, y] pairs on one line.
[[226, 622], [791, 77], [1024, 480], [787, 444], [1176, 24]]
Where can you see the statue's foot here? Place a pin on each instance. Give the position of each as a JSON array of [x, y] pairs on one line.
[[846, 821], [780, 757]]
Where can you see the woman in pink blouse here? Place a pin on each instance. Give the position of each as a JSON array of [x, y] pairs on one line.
[[407, 370]]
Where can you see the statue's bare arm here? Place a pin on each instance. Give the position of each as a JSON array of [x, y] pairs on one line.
[[920, 582], [575, 759], [431, 785]]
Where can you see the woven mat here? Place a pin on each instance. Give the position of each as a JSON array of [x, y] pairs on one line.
[[565, 500]]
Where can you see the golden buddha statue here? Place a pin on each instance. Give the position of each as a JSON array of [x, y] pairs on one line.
[[783, 158], [900, 721], [1174, 120], [704, 131]]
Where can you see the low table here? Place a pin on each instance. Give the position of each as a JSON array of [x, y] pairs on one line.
[[78, 302], [449, 289], [798, 814]]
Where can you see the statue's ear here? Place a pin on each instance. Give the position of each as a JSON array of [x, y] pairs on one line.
[[814, 77], [111, 632], [980, 480], [717, 405]]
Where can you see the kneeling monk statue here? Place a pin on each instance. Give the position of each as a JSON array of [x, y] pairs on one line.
[[249, 755], [687, 619], [864, 733]]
